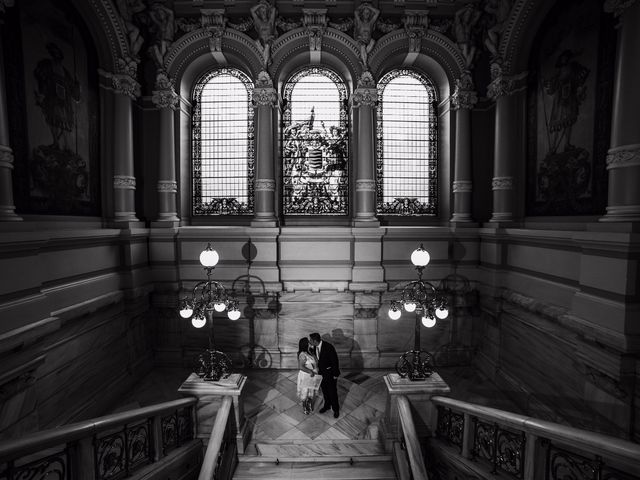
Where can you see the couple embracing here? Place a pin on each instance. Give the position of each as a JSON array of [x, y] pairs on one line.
[[319, 368]]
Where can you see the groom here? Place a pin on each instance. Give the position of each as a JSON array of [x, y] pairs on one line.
[[329, 368]]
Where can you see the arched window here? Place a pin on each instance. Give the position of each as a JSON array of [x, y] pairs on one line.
[[315, 144], [407, 135], [223, 144]]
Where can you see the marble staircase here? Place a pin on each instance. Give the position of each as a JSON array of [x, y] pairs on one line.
[[345, 469]]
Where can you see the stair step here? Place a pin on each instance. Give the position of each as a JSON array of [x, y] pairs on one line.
[[315, 471], [321, 450]]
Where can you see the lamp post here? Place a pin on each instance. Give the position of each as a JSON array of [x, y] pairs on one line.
[[428, 303], [209, 296]]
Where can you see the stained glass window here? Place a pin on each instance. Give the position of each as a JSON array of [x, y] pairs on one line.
[[223, 144], [315, 144], [407, 145]]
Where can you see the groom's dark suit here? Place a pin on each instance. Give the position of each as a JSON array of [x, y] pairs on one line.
[[329, 368]]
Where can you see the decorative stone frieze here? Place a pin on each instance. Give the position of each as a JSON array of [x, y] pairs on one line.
[[416, 23], [617, 7], [501, 86], [124, 182], [265, 185], [624, 156], [365, 186], [265, 97], [364, 97], [167, 186], [462, 186], [214, 22], [502, 183], [366, 80]]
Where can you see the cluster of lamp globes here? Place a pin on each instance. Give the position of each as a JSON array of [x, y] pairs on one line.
[[209, 259], [420, 258]]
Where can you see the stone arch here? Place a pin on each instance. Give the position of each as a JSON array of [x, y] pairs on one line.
[[107, 30], [519, 33]]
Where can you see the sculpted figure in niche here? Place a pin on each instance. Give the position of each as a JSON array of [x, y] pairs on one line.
[[498, 11], [161, 28], [465, 22], [365, 18], [129, 11], [264, 21]]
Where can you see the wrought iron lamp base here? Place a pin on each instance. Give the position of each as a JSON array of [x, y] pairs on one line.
[[415, 364], [212, 365]]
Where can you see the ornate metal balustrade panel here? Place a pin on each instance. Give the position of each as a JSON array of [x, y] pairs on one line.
[[120, 453], [563, 464], [450, 426], [177, 429], [51, 467], [504, 449]]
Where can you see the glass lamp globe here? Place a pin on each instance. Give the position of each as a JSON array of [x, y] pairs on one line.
[[420, 257], [219, 306], [442, 313], [428, 321], [394, 313], [186, 311], [410, 307], [209, 257], [234, 314], [198, 321]]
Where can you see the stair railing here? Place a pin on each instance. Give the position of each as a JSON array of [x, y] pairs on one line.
[[221, 456], [411, 442], [108, 447], [527, 448]]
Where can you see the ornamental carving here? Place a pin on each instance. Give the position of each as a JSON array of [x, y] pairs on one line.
[[6, 157], [502, 183], [464, 95], [366, 312], [501, 86], [167, 186], [416, 23], [265, 97], [364, 96], [315, 23], [617, 7], [366, 80], [622, 157], [365, 186], [214, 22], [265, 185], [124, 182], [462, 186], [123, 83]]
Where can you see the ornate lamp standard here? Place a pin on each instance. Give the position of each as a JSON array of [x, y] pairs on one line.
[[428, 303], [209, 296]]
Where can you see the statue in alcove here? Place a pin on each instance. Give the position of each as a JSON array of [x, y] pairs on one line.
[[264, 21], [365, 18], [465, 22]]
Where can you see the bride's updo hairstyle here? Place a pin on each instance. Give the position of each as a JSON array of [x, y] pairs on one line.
[[303, 345]]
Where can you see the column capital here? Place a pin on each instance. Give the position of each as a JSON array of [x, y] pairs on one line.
[[366, 92], [503, 85], [123, 81], [624, 156], [502, 183], [616, 7], [164, 95], [464, 95], [263, 93]]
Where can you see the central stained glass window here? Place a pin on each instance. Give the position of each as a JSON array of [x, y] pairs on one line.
[[315, 144]]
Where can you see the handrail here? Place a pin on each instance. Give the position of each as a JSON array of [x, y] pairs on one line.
[[210, 461], [589, 441], [38, 441], [414, 453]]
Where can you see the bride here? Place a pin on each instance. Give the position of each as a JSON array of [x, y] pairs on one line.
[[308, 378]]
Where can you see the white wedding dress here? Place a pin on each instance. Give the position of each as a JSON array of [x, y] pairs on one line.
[[307, 385]]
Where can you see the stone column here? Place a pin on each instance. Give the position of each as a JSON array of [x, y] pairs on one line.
[[167, 101], [623, 159], [506, 151], [363, 103], [124, 181], [265, 100], [7, 208], [462, 101]]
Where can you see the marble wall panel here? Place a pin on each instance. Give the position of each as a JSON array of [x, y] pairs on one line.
[[59, 264], [564, 264], [610, 274]]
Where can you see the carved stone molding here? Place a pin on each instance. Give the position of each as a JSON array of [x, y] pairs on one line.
[[364, 97], [502, 183], [462, 186], [265, 185], [366, 312], [315, 23], [124, 182], [123, 84], [464, 99], [165, 99], [6, 157], [501, 86], [265, 97], [167, 186], [617, 7], [416, 23], [214, 22], [623, 157], [365, 186]]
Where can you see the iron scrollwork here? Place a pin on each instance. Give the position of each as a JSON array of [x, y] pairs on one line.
[[450, 426], [416, 364], [502, 448], [51, 467], [120, 453]]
